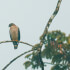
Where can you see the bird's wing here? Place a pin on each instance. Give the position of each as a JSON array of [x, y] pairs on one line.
[[18, 34], [10, 34]]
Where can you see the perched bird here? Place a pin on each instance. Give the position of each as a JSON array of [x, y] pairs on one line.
[[14, 34]]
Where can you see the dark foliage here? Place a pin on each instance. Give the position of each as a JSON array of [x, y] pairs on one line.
[[56, 48]]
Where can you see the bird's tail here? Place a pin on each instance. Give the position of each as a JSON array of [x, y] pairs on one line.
[[15, 46]]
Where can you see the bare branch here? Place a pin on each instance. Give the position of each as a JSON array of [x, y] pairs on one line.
[[17, 41], [46, 29], [16, 58], [51, 18], [54, 64]]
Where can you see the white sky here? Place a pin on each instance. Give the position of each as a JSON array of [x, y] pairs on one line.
[[31, 16]]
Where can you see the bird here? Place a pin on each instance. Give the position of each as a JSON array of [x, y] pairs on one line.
[[14, 34]]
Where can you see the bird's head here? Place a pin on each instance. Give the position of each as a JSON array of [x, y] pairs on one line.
[[11, 24]]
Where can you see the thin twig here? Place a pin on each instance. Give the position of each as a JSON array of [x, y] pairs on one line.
[[48, 63], [16, 58], [54, 64], [17, 41]]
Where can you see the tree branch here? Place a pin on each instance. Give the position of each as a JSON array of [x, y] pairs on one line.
[[54, 64], [46, 29], [17, 41], [51, 19], [16, 58]]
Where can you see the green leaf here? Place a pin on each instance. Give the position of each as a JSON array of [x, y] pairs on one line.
[[27, 64], [27, 56]]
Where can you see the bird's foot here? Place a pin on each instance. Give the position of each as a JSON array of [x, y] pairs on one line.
[[14, 40]]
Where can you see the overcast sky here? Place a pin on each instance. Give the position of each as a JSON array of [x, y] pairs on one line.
[[31, 17]]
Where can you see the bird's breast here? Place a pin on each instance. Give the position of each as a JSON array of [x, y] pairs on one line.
[[14, 32]]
